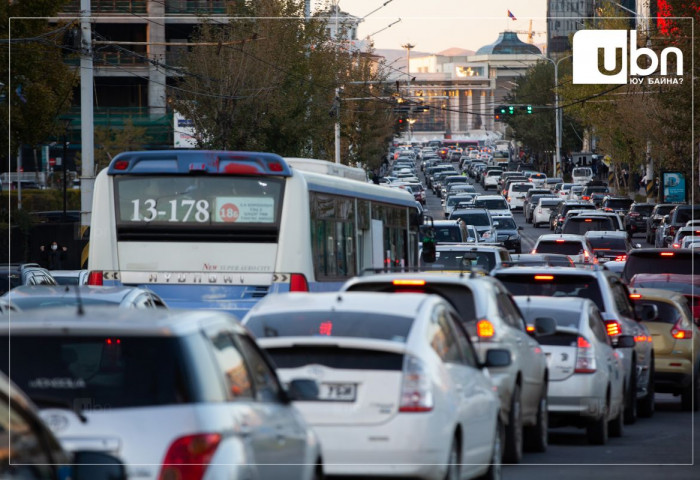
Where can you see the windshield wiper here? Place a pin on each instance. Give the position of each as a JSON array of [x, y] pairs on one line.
[[47, 401]]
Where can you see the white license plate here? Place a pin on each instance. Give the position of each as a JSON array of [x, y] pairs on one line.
[[337, 392]]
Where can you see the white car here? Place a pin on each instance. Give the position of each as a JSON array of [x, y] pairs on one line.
[[401, 391], [543, 210], [586, 376], [491, 179], [575, 192], [575, 246], [582, 175], [516, 194], [495, 204]]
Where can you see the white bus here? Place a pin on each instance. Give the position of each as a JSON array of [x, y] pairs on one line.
[[215, 229]]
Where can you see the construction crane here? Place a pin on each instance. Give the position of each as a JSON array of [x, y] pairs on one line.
[[530, 34]]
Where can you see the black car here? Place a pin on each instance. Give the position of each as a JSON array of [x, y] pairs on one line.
[[635, 220], [619, 205], [558, 215], [657, 214], [16, 274], [678, 217], [609, 245], [508, 233]]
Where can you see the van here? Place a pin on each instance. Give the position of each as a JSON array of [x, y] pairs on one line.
[[582, 175]]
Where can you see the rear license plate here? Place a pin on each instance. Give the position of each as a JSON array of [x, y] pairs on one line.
[[337, 392]]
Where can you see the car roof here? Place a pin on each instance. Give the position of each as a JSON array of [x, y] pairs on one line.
[[549, 271], [107, 293], [606, 233], [568, 237], [110, 320]]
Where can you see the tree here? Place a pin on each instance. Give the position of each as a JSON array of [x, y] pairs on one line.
[[110, 141]]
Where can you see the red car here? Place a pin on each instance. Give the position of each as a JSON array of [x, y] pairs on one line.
[[687, 285]]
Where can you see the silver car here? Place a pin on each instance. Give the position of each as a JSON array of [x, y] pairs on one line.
[[586, 377], [31, 297], [174, 394]]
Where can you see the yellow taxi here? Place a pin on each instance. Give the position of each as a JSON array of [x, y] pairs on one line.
[[676, 340]]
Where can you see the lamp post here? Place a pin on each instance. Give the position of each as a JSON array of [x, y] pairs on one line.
[[557, 113], [66, 125], [408, 46]]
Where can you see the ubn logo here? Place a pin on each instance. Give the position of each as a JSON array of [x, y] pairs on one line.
[[613, 44]]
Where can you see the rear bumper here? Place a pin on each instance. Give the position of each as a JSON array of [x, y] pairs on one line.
[[580, 395]]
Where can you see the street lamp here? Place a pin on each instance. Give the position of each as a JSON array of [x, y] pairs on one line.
[[557, 113]]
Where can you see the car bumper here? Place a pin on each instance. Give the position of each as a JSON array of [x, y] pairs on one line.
[[580, 395], [672, 374]]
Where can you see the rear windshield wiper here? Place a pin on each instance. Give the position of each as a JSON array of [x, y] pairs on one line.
[[47, 401]]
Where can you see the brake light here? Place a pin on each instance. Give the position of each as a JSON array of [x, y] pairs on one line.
[[585, 358], [298, 283], [484, 329], [189, 456], [588, 220], [121, 164], [621, 258], [544, 277], [530, 328], [667, 254], [559, 240], [680, 333], [416, 387], [508, 199], [676, 245], [635, 296], [613, 328], [413, 283], [95, 278], [586, 197]]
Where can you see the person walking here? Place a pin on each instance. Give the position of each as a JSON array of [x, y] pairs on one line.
[[53, 256]]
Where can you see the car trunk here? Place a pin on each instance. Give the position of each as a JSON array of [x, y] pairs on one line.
[[561, 350]]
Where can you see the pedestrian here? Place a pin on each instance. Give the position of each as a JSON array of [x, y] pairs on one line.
[[53, 256]]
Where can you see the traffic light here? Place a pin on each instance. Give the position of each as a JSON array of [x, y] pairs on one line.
[[528, 109], [511, 109]]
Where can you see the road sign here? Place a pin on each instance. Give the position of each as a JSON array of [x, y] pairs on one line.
[[52, 162]]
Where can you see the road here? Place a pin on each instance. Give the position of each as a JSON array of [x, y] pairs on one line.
[[659, 447]]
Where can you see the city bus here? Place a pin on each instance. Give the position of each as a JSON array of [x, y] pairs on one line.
[[218, 229]]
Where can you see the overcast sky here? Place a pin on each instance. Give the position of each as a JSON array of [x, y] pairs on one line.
[[436, 25]]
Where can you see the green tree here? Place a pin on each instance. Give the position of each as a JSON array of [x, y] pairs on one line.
[[110, 141]]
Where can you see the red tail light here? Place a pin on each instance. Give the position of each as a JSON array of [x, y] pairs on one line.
[[298, 283], [189, 456], [416, 386], [484, 329], [678, 332], [585, 358], [621, 258], [586, 197], [613, 328], [95, 278]]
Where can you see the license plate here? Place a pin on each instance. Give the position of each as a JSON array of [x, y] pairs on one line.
[[337, 392]]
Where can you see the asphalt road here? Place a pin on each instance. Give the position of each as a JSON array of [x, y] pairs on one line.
[[661, 447]]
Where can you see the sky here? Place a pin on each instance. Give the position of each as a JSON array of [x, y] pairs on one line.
[[436, 25]]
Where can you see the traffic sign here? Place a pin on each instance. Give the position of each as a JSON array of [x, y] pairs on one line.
[[52, 162]]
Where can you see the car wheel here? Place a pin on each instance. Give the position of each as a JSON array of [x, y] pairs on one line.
[[318, 470], [616, 426], [597, 430], [494, 471], [536, 436], [453, 472], [646, 405], [513, 449], [687, 394], [631, 399]]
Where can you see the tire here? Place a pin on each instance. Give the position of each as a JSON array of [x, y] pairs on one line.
[[616, 426], [646, 405], [687, 394], [631, 399], [318, 471], [597, 430], [453, 461], [536, 436], [513, 448], [494, 471]]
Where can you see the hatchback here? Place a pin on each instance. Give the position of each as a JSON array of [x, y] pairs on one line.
[[401, 390], [575, 246], [636, 218], [609, 246], [174, 394]]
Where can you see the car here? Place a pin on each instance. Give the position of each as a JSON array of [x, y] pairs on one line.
[[686, 285], [540, 260], [610, 246], [558, 215], [531, 202], [614, 218], [637, 217], [611, 297], [657, 214], [516, 194], [538, 179], [30, 297], [675, 220], [542, 211], [676, 341], [594, 193], [575, 246], [575, 193], [491, 178], [480, 218], [495, 204], [508, 233], [563, 190], [492, 320], [397, 367], [174, 394], [582, 175], [586, 380], [454, 199], [15, 274], [446, 231], [580, 224], [70, 277], [466, 257], [683, 233], [616, 204], [30, 451], [660, 260]]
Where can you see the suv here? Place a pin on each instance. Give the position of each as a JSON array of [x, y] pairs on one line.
[[660, 260], [493, 320], [558, 215], [467, 257], [508, 233], [611, 297], [619, 205], [531, 200], [657, 214], [480, 218], [16, 274], [446, 231], [575, 246], [516, 194], [678, 217], [635, 220], [163, 390], [580, 224]]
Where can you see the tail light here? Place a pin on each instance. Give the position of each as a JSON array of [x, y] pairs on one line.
[[634, 214], [95, 278], [298, 283], [189, 456], [484, 329], [613, 328], [621, 258], [416, 386], [508, 199], [676, 245], [585, 358], [680, 333], [586, 197]]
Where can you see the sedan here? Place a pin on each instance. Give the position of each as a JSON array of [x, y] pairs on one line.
[[401, 391], [586, 376], [45, 296]]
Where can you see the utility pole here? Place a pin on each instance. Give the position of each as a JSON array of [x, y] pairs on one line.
[[337, 94], [408, 47], [87, 137]]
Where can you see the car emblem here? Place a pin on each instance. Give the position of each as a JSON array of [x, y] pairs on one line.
[[315, 371], [56, 422]]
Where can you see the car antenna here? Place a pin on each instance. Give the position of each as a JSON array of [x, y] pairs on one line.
[[79, 301]]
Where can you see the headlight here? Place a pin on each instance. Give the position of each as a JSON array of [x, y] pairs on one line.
[[513, 237]]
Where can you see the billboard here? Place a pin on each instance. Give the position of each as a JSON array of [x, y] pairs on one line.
[[674, 190]]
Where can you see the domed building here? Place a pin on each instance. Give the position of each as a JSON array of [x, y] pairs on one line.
[[508, 43]]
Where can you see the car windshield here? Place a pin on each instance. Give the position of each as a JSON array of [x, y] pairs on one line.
[[331, 324], [564, 248], [492, 204], [477, 219], [452, 260], [106, 371], [506, 223], [580, 286], [580, 225], [608, 243]]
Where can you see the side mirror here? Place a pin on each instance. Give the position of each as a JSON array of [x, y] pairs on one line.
[[90, 465], [545, 326], [497, 357], [303, 389], [647, 312], [624, 341]]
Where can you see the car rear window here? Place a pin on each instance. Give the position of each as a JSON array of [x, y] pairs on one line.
[[477, 219], [335, 357], [680, 262], [34, 302], [643, 209], [331, 324], [608, 243], [522, 187], [580, 286], [680, 287], [668, 313], [685, 214], [564, 318], [447, 233], [109, 372], [619, 203], [452, 260], [492, 204], [549, 203], [564, 248], [581, 225]]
